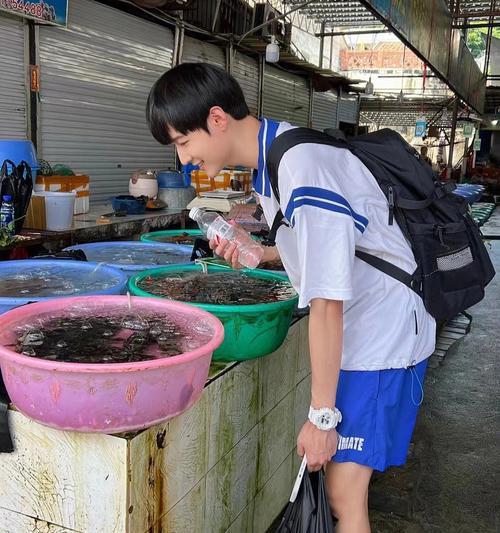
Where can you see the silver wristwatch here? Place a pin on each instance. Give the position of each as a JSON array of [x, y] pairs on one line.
[[325, 418]]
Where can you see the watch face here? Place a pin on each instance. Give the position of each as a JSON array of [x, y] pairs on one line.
[[325, 419]]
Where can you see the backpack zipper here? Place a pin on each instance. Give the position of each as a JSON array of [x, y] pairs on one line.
[[390, 192]]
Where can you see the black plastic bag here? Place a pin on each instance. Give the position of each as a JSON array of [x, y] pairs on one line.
[[65, 255], [16, 181], [308, 510], [201, 249], [6, 445]]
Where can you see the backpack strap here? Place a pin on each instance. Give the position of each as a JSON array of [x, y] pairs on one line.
[[412, 281], [279, 146], [293, 137], [279, 220]]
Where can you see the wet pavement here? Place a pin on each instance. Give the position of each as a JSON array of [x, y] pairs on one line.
[[451, 481]]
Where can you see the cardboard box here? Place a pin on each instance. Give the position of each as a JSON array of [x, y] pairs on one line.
[[79, 183], [35, 215]]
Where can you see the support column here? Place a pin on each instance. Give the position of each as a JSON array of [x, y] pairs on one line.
[[321, 44], [260, 104], [452, 138]]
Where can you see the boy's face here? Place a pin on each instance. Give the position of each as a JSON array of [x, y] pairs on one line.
[[209, 151]]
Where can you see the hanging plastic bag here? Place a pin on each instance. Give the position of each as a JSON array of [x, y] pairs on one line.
[[16, 181], [308, 510]]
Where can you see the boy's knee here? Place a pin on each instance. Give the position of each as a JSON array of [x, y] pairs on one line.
[[344, 502], [347, 491]]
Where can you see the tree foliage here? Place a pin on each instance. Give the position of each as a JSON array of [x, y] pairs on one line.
[[476, 40]]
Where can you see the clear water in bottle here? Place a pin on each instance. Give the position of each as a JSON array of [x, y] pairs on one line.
[[212, 225]]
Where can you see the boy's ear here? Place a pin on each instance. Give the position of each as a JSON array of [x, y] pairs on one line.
[[217, 119]]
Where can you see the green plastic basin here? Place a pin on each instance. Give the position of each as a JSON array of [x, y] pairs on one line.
[[172, 235], [250, 331]]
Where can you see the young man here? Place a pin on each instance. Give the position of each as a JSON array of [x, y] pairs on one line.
[[369, 335]]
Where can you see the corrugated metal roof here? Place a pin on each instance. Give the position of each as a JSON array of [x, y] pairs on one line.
[[338, 13]]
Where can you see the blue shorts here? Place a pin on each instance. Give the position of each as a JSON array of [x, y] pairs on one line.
[[379, 410]]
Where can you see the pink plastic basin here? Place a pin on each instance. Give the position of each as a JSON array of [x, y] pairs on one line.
[[107, 397]]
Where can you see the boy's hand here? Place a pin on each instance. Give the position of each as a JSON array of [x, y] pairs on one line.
[[223, 248], [318, 445]]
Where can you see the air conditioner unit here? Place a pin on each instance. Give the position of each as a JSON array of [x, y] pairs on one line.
[[266, 13]]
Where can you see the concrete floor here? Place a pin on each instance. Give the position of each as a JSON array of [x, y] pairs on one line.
[[451, 483]]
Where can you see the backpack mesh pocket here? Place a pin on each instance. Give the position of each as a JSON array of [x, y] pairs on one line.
[[455, 260]]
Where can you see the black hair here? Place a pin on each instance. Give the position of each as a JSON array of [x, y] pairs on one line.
[[184, 95]]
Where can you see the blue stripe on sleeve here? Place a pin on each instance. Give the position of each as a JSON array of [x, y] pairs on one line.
[[323, 199]]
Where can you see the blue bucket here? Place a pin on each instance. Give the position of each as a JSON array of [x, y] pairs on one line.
[[41, 279], [134, 256], [170, 179], [19, 150]]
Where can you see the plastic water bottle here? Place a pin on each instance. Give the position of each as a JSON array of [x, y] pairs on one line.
[[213, 225], [7, 214]]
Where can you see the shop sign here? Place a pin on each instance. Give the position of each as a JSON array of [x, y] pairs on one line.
[[48, 11], [420, 127], [468, 129]]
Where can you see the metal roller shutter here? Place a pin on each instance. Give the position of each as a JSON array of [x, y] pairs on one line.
[[13, 121], [246, 71], [95, 79], [348, 110], [286, 96], [324, 110], [194, 51]]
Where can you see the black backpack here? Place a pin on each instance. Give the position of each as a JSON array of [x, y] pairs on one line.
[[453, 265]]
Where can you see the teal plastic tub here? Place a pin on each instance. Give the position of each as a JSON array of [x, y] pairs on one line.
[[250, 331], [178, 236]]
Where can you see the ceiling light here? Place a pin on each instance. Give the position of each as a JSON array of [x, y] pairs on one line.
[[369, 87]]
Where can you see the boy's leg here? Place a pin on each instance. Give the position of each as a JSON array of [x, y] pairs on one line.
[[347, 488]]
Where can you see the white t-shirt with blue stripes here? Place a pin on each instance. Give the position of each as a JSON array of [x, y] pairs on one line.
[[334, 206]]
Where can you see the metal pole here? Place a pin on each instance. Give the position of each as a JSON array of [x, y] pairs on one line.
[[311, 104], [452, 139], [342, 33], [339, 103], [260, 103], [463, 170], [356, 128], [216, 15], [321, 45], [331, 52], [230, 56]]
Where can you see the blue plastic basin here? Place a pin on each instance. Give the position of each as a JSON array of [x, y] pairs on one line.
[[41, 279], [134, 256], [18, 150]]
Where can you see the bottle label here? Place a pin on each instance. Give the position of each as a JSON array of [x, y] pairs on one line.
[[221, 228]]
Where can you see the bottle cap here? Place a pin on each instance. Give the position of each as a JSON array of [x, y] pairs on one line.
[[195, 211], [7, 198]]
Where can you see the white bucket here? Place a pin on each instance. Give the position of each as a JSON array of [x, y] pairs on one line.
[[59, 207]]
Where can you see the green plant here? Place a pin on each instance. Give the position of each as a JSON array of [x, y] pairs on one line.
[[6, 236]]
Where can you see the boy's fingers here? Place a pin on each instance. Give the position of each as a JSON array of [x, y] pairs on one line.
[[229, 252], [221, 248]]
